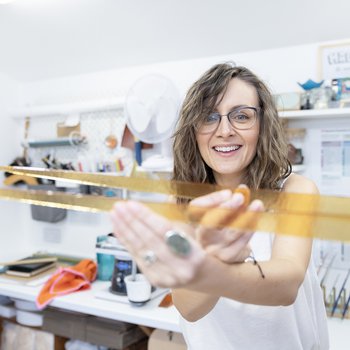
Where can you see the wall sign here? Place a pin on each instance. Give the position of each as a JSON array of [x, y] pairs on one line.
[[335, 61]]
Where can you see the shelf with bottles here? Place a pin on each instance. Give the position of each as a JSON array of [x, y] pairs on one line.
[[316, 113]]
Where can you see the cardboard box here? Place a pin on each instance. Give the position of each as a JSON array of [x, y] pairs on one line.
[[111, 333], [161, 339], [64, 130], [95, 330], [67, 324]]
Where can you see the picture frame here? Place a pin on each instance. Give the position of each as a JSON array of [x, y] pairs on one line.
[[334, 60]]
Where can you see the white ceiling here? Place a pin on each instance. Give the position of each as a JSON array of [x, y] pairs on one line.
[[43, 39]]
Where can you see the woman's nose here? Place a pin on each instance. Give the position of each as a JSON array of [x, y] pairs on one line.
[[225, 128]]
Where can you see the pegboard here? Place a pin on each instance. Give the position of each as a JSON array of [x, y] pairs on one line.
[[95, 127]]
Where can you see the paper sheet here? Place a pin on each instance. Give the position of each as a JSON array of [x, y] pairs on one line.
[[335, 162]]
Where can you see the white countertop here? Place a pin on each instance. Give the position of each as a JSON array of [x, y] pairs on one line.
[[86, 302], [148, 315]]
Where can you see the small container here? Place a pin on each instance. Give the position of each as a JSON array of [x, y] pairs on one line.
[[105, 266], [138, 289], [105, 257], [27, 318], [7, 311], [47, 214], [4, 300], [25, 305], [122, 268]]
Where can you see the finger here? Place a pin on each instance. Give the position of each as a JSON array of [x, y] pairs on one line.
[[121, 220], [256, 205], [227, 212], [148, 226], [198, 206], [247, 221], [236, 200], [146, 215], [245, 191], [212, 199]]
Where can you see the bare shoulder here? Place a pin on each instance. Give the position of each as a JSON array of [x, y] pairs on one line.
[[301, 184]]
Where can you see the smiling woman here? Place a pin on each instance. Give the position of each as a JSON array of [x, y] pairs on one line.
[[259, 289]]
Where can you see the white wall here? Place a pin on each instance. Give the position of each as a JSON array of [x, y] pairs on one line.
[[280, 68], [13, 235]]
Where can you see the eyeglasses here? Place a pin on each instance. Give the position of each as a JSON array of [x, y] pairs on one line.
[[241, 118]]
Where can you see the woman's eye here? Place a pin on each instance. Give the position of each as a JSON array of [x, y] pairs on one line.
[[241, 117], [212, 118]]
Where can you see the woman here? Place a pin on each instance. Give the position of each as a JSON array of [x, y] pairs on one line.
[[229, 134]]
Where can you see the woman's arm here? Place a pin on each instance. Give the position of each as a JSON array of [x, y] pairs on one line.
[[284, 272], [226, 245], [193, 305], [139, 229]]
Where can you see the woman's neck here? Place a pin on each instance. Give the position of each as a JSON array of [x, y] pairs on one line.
[[228, 181]]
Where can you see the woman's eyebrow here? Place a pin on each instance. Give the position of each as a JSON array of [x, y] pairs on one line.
[[237, 107]]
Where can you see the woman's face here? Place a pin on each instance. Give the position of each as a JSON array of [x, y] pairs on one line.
[[226, 150]]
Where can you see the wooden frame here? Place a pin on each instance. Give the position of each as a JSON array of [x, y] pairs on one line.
[[334, 60]]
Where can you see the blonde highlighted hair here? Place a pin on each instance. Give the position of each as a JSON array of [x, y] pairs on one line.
[[270, 163]]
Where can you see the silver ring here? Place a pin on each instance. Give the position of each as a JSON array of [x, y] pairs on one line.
[[178, 243], [149, 257]]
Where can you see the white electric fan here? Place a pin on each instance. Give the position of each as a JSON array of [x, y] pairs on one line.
[[151, 107]]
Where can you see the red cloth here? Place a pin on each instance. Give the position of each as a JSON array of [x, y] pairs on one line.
[[67, 280]]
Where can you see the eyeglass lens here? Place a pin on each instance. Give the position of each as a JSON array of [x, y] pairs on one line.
[[243, 118]]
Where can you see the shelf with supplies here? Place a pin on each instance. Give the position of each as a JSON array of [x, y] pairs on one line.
[[316, 113], [86, 135], [74, 140], [68, 108]]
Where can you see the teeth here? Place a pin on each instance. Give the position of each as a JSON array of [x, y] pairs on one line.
[[226, 149]]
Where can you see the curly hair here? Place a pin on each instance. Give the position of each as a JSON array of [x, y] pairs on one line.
[[270, 163]]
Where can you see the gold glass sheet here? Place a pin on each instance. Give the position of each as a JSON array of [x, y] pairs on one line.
[[137, 184], [318, 218]]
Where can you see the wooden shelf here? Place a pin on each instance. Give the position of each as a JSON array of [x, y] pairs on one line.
[[316, 113]]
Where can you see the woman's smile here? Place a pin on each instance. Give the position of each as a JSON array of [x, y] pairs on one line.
[[227, 150]]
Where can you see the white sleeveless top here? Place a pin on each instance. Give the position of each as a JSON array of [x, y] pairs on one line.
[[238, 326], [232, 325]]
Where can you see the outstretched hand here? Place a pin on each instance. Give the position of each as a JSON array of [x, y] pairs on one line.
[[143, 233], [227, 244]]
